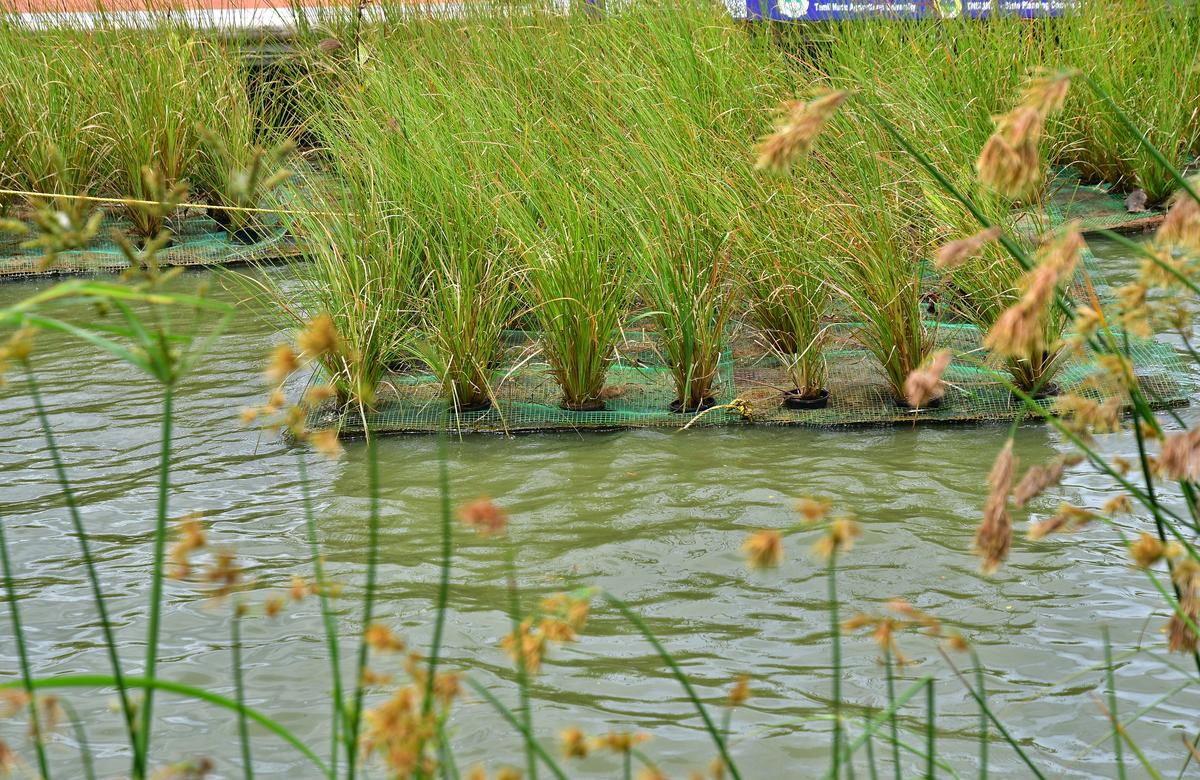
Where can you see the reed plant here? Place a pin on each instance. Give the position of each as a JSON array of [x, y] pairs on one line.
[[787, 297], [362, 273], [56, 133], [1126, 49], [468, 305], [577, 283], [876, 251]]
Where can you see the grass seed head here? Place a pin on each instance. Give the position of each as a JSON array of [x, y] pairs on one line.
[[838, 538], [1180, 456], [484, 516], [802, 122], [764, 549], [1038, 478], [1009, 162], [925, 384], [574, 743], [953, 254], [1067, 518], [1181, 227], [1146, 551], [1046, 92], [993, 538]]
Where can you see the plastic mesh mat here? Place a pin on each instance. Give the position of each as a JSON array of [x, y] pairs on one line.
[[1096, 207], [640, 391], [197, 241]]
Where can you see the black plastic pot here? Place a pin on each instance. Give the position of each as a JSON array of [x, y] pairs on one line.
[[590, 406], [932, 403], [678, 408], [220, 216], [482, 406], [1047, 391], [249, 234], [792, 399]]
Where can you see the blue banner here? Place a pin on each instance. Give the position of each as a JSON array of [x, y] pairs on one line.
[[825, 10]]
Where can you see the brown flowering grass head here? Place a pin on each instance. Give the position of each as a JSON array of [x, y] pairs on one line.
[[325, 441], [8, 759], [916, 617], [574, 743], [799, 125], [1085, 324], [397, 731], [381, 639], [1084, 415], [953, 254], [1010, 162], [484, 517], [526, 645], [1118, 505], [1134, 311], [1180, 456], [883, 633], [570, 609], [224, 573], [1042, 477], [651, 773], [812, 510], [764, 549], [1046, 91], [925, 384], [318, 394], [993, 538], [739, 694], [284, 362], [299, 589], [189, 537], [620, 742], [1067, 519], [17, 348], [1019, 332], [957, 642], [1181, 630], [1181, 227], [838, 538], [319, 338], [1146, 551], [273, 606]]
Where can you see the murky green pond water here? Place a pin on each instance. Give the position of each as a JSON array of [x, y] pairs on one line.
[[657, 518]]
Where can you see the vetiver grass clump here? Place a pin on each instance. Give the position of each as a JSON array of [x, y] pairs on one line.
[[118, 111]]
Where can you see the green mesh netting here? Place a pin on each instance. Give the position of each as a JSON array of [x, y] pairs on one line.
[[640, 391], [197, 241], [1096, 207]]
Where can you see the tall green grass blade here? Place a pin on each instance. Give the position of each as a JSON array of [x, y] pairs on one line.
[[354, 727], [89, 561], [239, 687], [836, 652], [1113, 716], [157, 575], [518, 638], [636, 621], [930, 730], [893, 709], [516, 723], [26, 682], [182, 689], [87, 763], [1140, 136], [983, 705], [447, 551], [984, 738], [328, 618]]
